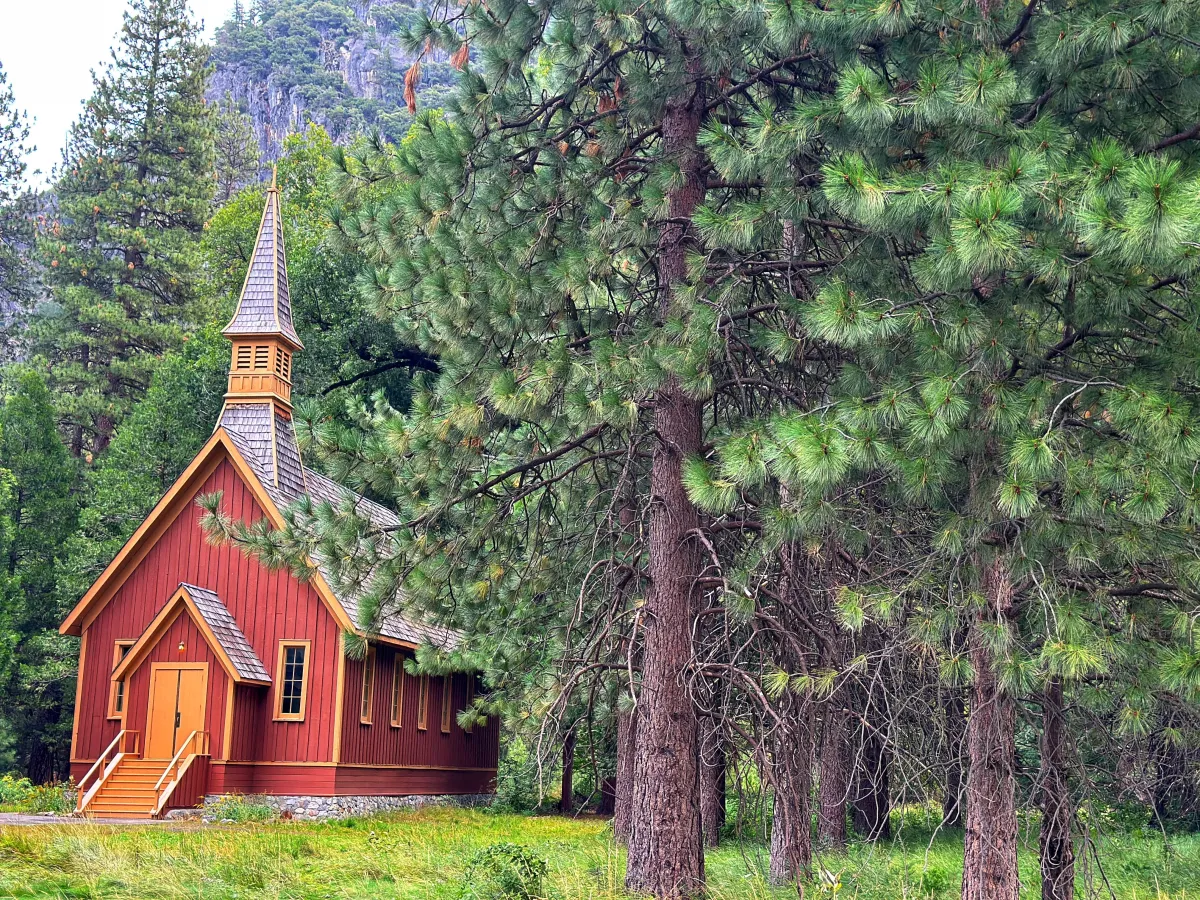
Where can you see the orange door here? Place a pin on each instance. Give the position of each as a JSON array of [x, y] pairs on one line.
[[176, 708]]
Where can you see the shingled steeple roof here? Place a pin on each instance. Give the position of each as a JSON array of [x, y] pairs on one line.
[[265, 307]]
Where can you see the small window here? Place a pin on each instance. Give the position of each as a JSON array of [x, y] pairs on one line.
[[291, 680], [397, 690], [470, 698], [287, 363], [243, 356], [423, 703], [447, 701], [278, 362], [262, 357], [368, 691], [116, 692]]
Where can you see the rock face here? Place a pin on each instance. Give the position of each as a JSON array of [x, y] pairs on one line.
[[294, 63]]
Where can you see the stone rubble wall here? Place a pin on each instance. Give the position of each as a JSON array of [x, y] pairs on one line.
[[319, 809]]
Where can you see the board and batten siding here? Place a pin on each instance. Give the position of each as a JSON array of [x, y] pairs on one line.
[[380, 744], [268, 606]]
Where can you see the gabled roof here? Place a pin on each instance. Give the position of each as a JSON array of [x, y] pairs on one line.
[[215, 623], [265, 306], [251, 460]]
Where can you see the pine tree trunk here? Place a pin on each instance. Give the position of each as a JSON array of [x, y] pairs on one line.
[[833, 787], [956, 728], [793, 738], [990, 842], [712, 782], [666, 854], [626, 754], [566, 803], [791, 771], [1056, 852], [872, 794]]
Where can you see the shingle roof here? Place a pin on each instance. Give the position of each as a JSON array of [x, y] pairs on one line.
[[265, 306], [267, 441], [221, 622]]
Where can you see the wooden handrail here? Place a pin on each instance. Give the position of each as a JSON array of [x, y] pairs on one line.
[[118, 750], [161, 798]]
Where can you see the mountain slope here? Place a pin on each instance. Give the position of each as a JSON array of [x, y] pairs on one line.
[[339, 63]]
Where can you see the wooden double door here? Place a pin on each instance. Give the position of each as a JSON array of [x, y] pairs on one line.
[[176, 708]]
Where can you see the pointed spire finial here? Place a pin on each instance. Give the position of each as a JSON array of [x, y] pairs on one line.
[[274, 177]]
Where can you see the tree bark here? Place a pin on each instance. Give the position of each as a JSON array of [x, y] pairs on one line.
[[956, 727], [990, 842], [626, 755], [1056, 853], [791, 770], [566, 803], [793, 738], [872, 790], [666, 854], [833, 787], [712, 782]]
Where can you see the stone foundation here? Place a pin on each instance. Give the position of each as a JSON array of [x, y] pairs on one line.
[[316, 809]]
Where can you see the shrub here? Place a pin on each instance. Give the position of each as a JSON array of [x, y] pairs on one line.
[[504, 872], [236, 808], [516, 779], [22, 795]]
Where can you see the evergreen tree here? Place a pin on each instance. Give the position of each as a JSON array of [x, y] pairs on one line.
[[17, 206], [133, 193], [237, 157], [40, 508]]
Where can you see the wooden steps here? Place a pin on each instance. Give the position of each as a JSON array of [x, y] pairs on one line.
[[128, 793]]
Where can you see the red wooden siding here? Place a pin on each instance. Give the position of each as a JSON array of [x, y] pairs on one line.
[[382, 745], [329, 781], [191, 790], [268, 606]]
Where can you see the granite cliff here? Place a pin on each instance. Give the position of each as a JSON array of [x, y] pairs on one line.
[[338, 63]]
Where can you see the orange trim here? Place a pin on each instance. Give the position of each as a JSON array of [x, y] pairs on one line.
[[281, 716], [78, 692], [423, 703], [166, 617], [397, 700], [165, 512], [115, 685], [339, 701], [366, 712], [447, 701], [122, 565], [227, 737]]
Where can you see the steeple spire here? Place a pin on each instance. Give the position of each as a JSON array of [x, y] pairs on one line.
[[261, 330]]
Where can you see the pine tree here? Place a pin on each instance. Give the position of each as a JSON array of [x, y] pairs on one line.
[[236, 146], [1020, 328], [17, 208], [133, 193], [40, 509]]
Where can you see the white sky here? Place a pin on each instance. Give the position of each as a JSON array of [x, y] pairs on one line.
[[49, 48]]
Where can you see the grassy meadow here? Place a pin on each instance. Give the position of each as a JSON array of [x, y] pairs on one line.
[[428, 854]]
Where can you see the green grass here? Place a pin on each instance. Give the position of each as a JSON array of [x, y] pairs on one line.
[[424, 854]]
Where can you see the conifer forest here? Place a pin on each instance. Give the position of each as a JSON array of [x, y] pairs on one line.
[[794, 405]]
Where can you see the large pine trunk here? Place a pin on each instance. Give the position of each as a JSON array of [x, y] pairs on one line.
[[990, 842], [626, 754], [1056, 852], [666, 854]]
